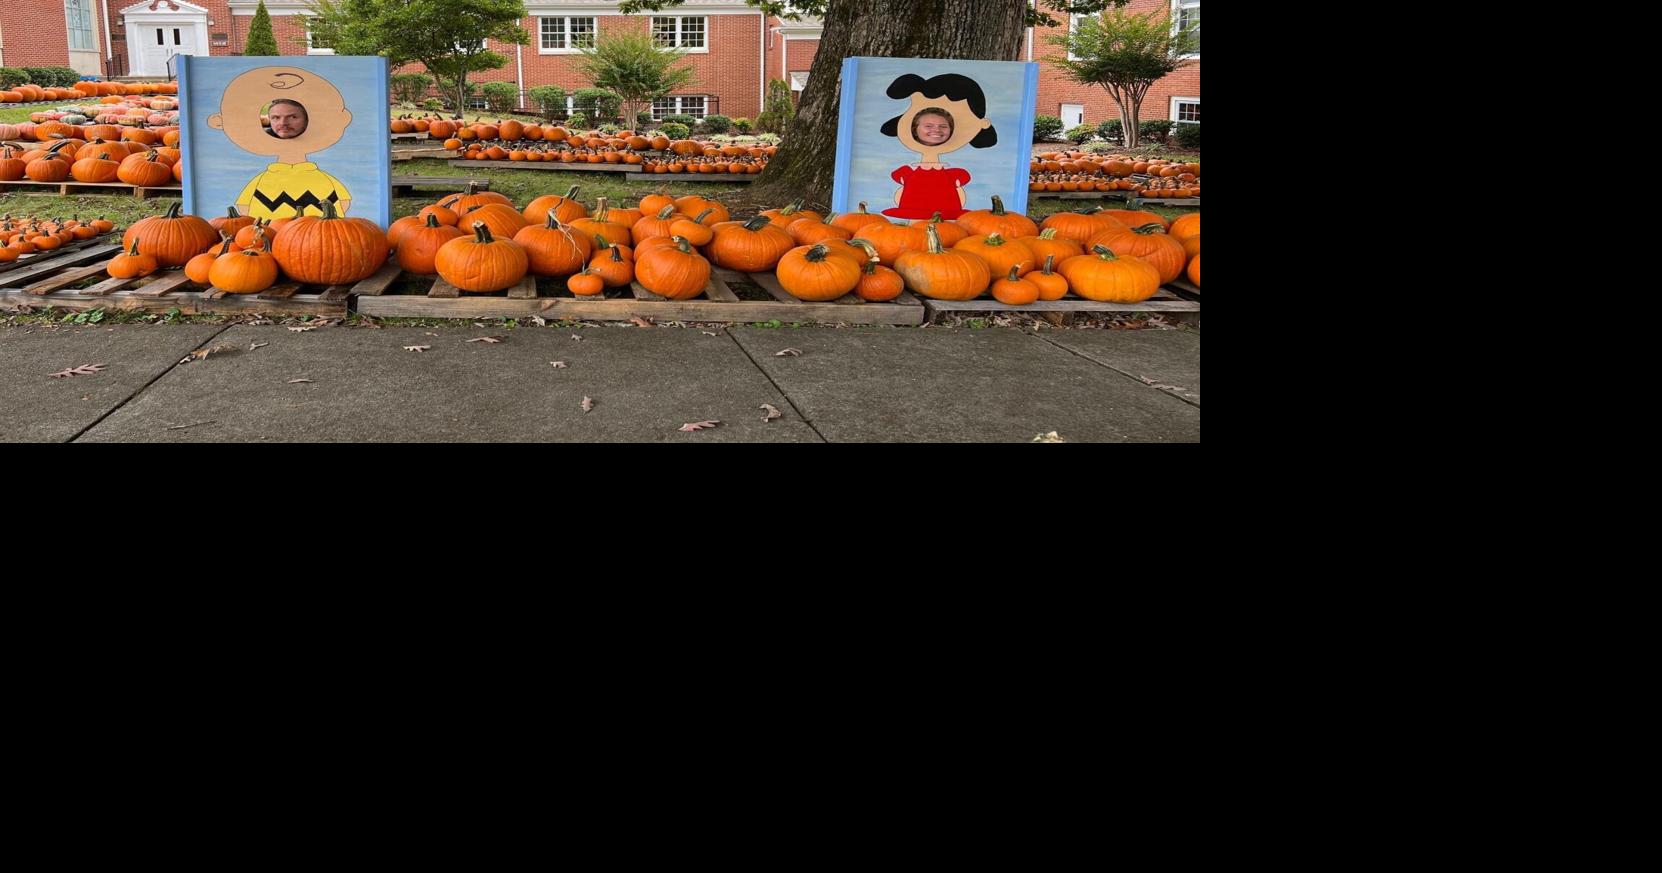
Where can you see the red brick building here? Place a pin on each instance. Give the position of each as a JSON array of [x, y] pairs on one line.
[[733, 48]]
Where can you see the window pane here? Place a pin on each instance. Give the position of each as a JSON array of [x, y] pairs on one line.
[[663, 31], [692, 33], [693, 106], [553, 33], [1189, 17], [1188, 112], [582, 33]]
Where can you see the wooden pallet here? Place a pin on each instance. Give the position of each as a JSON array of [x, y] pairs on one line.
[[405, 186], [72, 187], [80, 281], [1164, 300], [1080, 195], [1187, 202], [553, 301], [79, 245], [724, 178], [419, 134], [1185, 288]]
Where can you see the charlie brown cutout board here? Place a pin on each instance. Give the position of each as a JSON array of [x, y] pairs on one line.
[[918, 136], [326, 136]]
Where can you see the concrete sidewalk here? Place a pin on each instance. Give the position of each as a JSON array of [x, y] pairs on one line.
[[846, 385]]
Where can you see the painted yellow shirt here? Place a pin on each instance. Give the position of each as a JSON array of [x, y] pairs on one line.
[[291, 190]]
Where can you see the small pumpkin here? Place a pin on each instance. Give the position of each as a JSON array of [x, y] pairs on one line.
[[942, 274], [612, 267], [586, 283], [853, 221], [984, 222], [481, 263], [694, 229], [675, 272], [131, 264], [1000, 254], [1014, 290], [810, 273], [1051, 284], [249, 271], [565, 207], [554, 249], [197, 269], [754, 246], [1105, 277]]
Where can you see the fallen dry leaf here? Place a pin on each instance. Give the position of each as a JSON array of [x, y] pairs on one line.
[[558, 365], [576, 336], [588, 403], [416, 348], [708, 333], [772, 413], [539, 321], [253, 346], [432, 334], [201, 354], [298, 381], [1052, 437], [698, 425], [83, 370], [639, 321], [493, 340], [302, 328], [788, 353]]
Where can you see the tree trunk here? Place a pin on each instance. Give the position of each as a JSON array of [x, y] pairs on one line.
[[983, 30]]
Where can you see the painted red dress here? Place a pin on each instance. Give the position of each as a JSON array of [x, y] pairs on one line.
[[925, 192]]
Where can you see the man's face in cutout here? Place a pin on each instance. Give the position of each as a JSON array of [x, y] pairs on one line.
[[287, 120], [321, 122], [965, 125]]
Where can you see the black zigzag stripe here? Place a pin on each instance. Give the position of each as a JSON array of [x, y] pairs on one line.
[[299, 204]]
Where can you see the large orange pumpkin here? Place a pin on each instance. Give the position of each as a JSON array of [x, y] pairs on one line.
[[481, 263], [172, 239], [330, 250]]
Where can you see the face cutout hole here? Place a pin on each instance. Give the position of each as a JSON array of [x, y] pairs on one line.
[[285, 119], [932, 127]]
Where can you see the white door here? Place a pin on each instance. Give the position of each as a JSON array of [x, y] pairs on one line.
[[1073, 115], [161, 40]]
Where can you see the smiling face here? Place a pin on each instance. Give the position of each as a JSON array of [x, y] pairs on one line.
[[932, 127], [288, 120], [929, 138]]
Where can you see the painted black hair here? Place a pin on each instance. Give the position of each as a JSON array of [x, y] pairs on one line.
[[951, 86]]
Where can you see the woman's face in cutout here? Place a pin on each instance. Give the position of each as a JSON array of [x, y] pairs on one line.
[[934, 129], [287, 120]]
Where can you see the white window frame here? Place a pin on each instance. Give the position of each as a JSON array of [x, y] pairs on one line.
[[565, 26], [85, 9], [1177, 7], [311, 49], [1179, 101], [681, 32], [1073, 28], [678, 106]]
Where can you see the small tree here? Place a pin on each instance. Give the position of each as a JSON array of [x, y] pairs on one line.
[[1125, 53], [450, 39], [261, 39], [779, 110], [634, 68]]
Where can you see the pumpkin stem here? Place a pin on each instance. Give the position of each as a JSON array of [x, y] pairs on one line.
[[817, 253], [553, 222], [863, 207], [328, 210], [871, 250], [1151, 227], [998, 205], [830, 218], [666, 212], [682, 244], [1050, 261], [225, 243], [231, 212], [1015, 271], [432, 220], [794, 207], [482, 233], [757, 223], [1103, 252], [934, 238], [994, 239], [134, 251], [572, 194], [173, 211], [1048, 233], [600, 209], [702, 215], [617, 256]]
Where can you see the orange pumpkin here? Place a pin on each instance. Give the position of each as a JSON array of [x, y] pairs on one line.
[[481, 263], [675, 272]]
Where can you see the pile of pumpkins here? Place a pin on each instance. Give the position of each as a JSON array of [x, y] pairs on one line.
[[128, 160], [481, 243], [238, 255], [88, 90], [1079, 171], [26, 236], [159, 112]]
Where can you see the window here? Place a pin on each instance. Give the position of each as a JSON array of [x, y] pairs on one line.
[[685, 32], [1188, 18], [316, 45], [1073, 28], [1185, 110], [566, 34], [78, 15], [664, 106]]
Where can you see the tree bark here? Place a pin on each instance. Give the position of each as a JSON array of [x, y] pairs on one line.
[[983, 30]]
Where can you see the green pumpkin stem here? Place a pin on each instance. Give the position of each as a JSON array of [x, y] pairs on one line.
[[1050, 261], [817, 253], [1104, 253], [757, 223], [995, 239], [703, 215], [231, 212], [682, 244], [482, 233], [432, 220], [1151, 227], [173, 211], [134, 251], [1048, 233], [666, 212], [600, 209], [1015, 272]]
